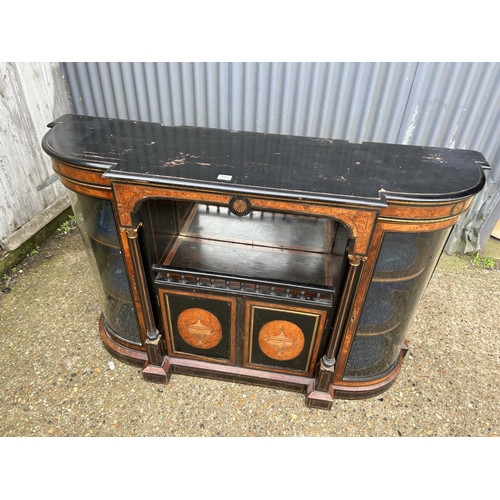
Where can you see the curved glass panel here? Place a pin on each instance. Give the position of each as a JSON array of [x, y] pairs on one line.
[[97, 227], [404, 266]]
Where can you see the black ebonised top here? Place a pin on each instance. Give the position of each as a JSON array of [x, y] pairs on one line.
[[266, 164]]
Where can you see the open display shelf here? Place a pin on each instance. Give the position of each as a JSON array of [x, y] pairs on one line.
[[290, 262], [282, 255]]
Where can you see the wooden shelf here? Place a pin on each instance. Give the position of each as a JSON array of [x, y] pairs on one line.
[[286, 266], [282, 248], [258, 228]]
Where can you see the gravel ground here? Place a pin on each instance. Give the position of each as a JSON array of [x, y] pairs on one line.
[[58, 379]]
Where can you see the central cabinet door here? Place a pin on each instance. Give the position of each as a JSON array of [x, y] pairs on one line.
[[199, 326], [282, 338]]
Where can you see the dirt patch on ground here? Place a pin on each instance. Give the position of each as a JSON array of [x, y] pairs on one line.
[[60, 241]]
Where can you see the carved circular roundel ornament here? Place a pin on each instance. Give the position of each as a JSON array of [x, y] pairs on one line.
[[199, 328], [240, 206], [281, 340]]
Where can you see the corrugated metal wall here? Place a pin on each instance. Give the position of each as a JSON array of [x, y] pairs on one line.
[[350, 101], [457, 105], [31, 94], [454, 105]]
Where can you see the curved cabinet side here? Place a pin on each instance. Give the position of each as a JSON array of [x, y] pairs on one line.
[[404, 253], [96, 222]]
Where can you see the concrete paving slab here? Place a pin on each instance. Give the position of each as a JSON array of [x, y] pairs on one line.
[[58, 379]]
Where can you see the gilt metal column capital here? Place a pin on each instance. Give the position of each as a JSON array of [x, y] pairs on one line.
[[132, 232], [355, 260]]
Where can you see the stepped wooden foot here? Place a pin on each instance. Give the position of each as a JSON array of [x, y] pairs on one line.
[[159, 374], [319, 399], [157, 368], [320, 392]]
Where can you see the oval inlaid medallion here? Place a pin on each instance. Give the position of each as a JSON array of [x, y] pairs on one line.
[[281, 340], [199, 328], [458, 208]]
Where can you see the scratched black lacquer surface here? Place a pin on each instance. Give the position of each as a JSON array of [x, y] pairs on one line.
[[267, 164]]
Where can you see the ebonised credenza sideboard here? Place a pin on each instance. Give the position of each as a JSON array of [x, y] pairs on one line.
[[284, 261]]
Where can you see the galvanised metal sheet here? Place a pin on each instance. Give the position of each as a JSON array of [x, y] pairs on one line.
[[352, 101], [455, 105]]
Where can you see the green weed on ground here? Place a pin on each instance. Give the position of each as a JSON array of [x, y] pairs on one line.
[[67, 226], [483, 262]]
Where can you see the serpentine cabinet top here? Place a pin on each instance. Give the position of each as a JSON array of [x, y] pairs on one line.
[[284, 166]]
